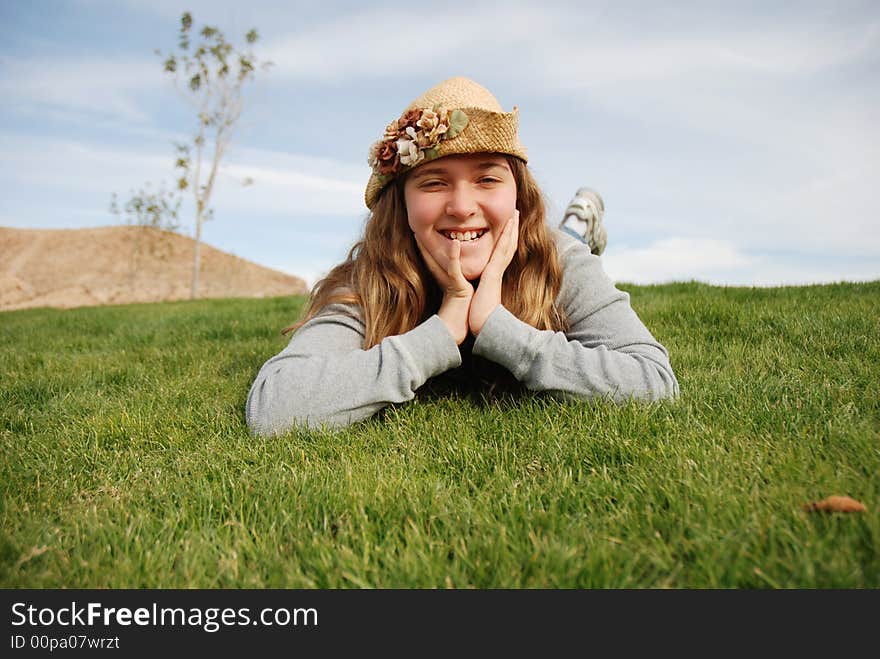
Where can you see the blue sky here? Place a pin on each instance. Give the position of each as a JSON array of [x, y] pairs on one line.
[[733, 143]]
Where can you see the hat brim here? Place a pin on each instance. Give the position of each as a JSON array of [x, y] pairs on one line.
[[486, 132]]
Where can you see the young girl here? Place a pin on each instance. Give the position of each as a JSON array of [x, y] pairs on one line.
[[457, 279]]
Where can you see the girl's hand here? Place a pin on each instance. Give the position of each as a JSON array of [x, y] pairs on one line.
[[488, 294], [457, 291]]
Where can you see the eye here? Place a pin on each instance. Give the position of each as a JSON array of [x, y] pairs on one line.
[[489, 180], [431, 183]]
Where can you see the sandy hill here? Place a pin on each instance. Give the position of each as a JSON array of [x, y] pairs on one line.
[[122, 264]]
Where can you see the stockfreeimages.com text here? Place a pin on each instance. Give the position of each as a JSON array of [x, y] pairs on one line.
[[210, 619]]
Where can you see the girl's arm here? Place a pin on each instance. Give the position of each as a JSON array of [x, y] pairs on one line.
[[325, 378], [608, 351]]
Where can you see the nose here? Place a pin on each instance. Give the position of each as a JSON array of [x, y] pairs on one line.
[[462, 202]]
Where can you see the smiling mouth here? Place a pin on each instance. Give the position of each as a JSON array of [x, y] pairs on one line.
[[464, 236]]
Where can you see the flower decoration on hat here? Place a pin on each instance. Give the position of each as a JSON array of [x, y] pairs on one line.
[[413, 138]]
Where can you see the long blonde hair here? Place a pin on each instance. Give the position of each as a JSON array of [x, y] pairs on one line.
[[395, 291]]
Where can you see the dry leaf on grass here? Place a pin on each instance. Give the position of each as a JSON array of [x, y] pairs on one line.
[[836, 504]]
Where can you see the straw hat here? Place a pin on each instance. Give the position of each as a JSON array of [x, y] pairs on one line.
[[456, 116]]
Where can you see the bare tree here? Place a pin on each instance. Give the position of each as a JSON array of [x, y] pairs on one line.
[[212, 72], [156, 211]]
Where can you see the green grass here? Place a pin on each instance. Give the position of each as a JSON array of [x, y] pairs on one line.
[[126, 462]]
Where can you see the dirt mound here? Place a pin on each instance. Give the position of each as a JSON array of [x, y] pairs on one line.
[[123, 264]]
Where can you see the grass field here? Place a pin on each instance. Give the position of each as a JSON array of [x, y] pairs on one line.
[[126, 461]]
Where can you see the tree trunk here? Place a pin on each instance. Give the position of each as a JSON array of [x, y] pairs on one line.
[[197, 258]]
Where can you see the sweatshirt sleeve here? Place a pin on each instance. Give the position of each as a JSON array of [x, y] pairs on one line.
[[607, 352], [324, 377]]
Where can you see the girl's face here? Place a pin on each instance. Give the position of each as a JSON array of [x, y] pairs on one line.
[[465, 197]]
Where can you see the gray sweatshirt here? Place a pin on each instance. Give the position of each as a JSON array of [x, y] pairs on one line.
[[324, 377]]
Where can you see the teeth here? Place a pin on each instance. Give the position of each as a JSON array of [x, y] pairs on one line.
[[464, 236]]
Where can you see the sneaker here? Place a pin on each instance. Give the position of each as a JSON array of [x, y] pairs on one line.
[[583, 219]]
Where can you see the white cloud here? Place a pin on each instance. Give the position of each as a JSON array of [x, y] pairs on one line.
[[673, 259], [309, 270], [292, 185], [565, 47], [76, 166], [807, 49], [372, 43], [776, 51], [725, 263], [92, 85], [296, 186]]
